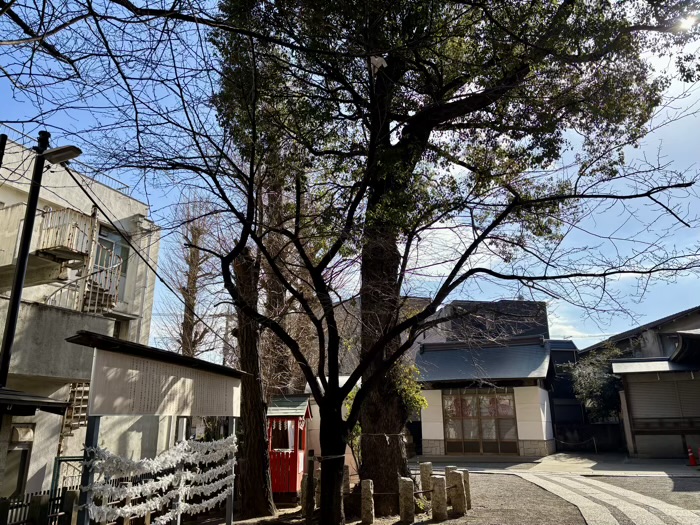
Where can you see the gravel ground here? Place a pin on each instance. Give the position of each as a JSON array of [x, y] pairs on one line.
[[682, 492], [497, 499]]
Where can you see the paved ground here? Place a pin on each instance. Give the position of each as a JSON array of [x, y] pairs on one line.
[[608, 503], [565, 463], [571, 490]]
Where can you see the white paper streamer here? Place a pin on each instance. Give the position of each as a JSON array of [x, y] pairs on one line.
[[188, 481]]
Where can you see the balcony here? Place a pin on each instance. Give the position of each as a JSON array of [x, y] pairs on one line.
[[62, 240], [41, 350]]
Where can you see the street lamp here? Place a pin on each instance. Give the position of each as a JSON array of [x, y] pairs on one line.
[[54, 156]]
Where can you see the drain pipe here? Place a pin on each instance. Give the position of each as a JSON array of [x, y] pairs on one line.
[[3, 143]]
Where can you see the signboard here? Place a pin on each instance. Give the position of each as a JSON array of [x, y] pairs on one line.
[[128, 385]]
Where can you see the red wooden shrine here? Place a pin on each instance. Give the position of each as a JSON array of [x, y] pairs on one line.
[[286, 432]]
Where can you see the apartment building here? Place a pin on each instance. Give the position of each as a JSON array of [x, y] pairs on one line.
[[84, 273]]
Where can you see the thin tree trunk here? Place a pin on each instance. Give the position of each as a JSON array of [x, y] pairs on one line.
[[333, 445], [256, 486]]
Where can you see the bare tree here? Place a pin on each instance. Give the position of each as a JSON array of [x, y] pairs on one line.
[[437, 140], [189, 323]]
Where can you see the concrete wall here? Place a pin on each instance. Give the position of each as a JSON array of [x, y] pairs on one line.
[[534, 421], [432, 424], [40, 348]]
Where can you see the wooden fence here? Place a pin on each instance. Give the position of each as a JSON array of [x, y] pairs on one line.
[[40, 508]]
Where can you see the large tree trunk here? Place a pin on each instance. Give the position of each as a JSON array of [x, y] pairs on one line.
[[333, 444], [256, 487], [383, 412], [278, 366]]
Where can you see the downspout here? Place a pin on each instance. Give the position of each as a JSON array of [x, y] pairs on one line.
[[145, 288], [3, 143]]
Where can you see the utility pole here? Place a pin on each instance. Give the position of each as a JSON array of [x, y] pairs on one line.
[[8, 337], [54, 156]]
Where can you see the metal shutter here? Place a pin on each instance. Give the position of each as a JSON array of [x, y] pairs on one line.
[[654, 400], [689, 392]]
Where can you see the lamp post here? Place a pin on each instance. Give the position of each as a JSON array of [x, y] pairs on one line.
[[54, 156]]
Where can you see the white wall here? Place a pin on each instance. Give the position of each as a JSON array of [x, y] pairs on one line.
[[532, 410], [431, 417]]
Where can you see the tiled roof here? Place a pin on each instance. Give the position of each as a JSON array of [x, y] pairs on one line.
[[486, 363]]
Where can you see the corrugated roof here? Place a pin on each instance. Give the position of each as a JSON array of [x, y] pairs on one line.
[[641, 366], [288, 406], [488, 363], [120, 346], [636, 331], [11, 400]]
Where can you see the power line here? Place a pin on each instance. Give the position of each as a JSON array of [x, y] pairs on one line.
[[141, 256]]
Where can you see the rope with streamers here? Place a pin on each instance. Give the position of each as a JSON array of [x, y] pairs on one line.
[[192, 477]]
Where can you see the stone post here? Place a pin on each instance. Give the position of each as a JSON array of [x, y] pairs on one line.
[[426, 470], [439, 503], [407, 507], [346, 479], [449, 469], [455, 479], [467, 488], [367, 502], [304, 489], [317, 482]]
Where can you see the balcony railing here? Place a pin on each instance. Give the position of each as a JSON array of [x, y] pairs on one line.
[[65, 233], [97, 292]]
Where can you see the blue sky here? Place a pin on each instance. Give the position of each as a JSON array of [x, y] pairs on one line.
[[678, 143]]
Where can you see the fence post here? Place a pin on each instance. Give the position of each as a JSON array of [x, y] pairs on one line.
[[426, 470], [407, 507], [4, 511], [367, 502], [455, 479], [467, 487], [39, 509], [91, 440], [127, 502], [69, 508], [439, 504]]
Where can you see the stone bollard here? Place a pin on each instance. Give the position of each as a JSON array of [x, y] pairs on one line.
[[317, 483], [426, 470], [439, 502], [449, 469], [367, 502], [304, 488], [407, 507], [346, 479], [455, 479], [467, 488]]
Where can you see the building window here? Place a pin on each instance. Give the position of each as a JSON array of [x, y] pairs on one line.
[[116, 244], [479, 421], [17, 460]]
